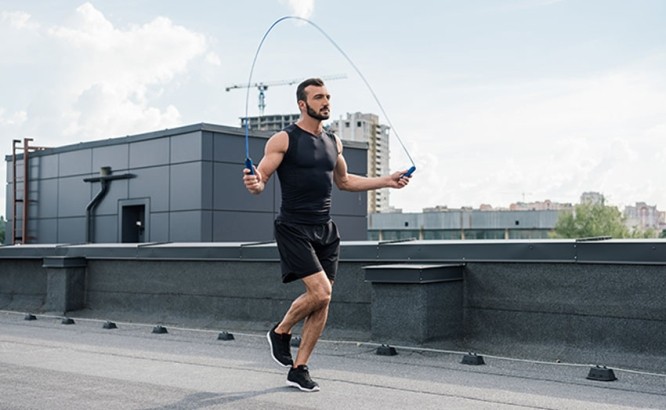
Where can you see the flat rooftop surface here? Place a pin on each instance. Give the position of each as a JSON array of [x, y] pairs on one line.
[[45, 364]]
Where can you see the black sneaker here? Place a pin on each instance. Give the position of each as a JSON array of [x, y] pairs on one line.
[[300, 377], [280, 348]]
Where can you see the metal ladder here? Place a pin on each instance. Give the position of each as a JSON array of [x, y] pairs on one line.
[[21, 236]]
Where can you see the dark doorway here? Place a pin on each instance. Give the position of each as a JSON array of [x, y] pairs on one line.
[[133, 224]]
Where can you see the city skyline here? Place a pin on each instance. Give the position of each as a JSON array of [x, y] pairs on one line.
[[496, 101]]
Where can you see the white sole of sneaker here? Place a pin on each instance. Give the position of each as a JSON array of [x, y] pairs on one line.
[[270, 344], [301, 388]]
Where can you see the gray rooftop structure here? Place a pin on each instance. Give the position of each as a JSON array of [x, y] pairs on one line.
[[463, 224], [576, 301], [176, 185]]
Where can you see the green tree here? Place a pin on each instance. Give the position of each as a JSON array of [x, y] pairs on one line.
[[645, 233], [591, 220]]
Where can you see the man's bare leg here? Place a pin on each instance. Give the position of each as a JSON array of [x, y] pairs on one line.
[[312, 330], [311, 306]]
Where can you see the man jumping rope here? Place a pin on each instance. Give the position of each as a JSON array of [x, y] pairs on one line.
[[308, 160]]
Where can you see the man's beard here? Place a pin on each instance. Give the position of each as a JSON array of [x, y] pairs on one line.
[[315, 115]]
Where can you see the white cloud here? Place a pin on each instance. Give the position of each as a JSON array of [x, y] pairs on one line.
[[87, 78], [213, 59], [520, 5], [103, 111], [152, 53], [15, 119], [18, 20], [300, 8], [549, 139], [107, 80]]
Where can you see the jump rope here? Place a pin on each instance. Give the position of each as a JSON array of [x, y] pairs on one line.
[[248, 161]]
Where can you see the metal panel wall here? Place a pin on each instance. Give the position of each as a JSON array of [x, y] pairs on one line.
[[73, 196], [148, 153], [77, 162], [191, 176], [159, 226], [152, 183], [71, 230], [207, 138], [206, 226], [118, 190], [106, 229], [242, 226], [47, 229], [47, 166], [185, 226], [114, 156], [185, 187], [231, 195], [207, 186], [186, 147], [47, 198]]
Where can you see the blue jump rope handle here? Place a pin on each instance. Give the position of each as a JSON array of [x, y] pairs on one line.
[[249, 165], [410, 171]]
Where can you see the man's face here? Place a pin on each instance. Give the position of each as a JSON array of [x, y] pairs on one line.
[[318, 102]]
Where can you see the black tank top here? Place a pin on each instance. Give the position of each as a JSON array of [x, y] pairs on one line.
[[306, 176]]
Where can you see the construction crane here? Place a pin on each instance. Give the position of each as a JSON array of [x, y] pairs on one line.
[[263, 86]]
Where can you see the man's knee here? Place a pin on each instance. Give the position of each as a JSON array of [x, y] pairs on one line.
[[322, 295], [319, 288], [323, 299]]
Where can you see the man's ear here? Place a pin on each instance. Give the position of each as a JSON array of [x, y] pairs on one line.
[[301, 104]]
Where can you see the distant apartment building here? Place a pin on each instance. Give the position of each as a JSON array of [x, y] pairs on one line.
[[366, 128], [521, 220], [463, 223], [538, 206], [274, 122], [643, 216], [638, 218], [592, 198]]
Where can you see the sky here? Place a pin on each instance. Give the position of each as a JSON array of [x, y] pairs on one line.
[[496, 101]]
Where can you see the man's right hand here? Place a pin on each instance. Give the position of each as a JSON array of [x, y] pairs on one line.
[[253, 183]]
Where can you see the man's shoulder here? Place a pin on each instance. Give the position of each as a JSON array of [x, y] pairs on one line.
[[291, 128], [278, 142]]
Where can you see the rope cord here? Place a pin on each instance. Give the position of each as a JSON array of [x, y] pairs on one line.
[[365, 81]]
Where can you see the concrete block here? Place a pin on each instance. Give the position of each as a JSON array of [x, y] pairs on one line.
[[65, 283], [416, 303], [22, 285]]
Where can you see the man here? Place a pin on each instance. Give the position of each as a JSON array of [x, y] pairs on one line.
[[308, 160]]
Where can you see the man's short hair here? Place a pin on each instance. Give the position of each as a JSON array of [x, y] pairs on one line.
[[300, 91]]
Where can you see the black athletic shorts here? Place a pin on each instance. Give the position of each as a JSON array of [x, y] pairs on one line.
[[307, 249]]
